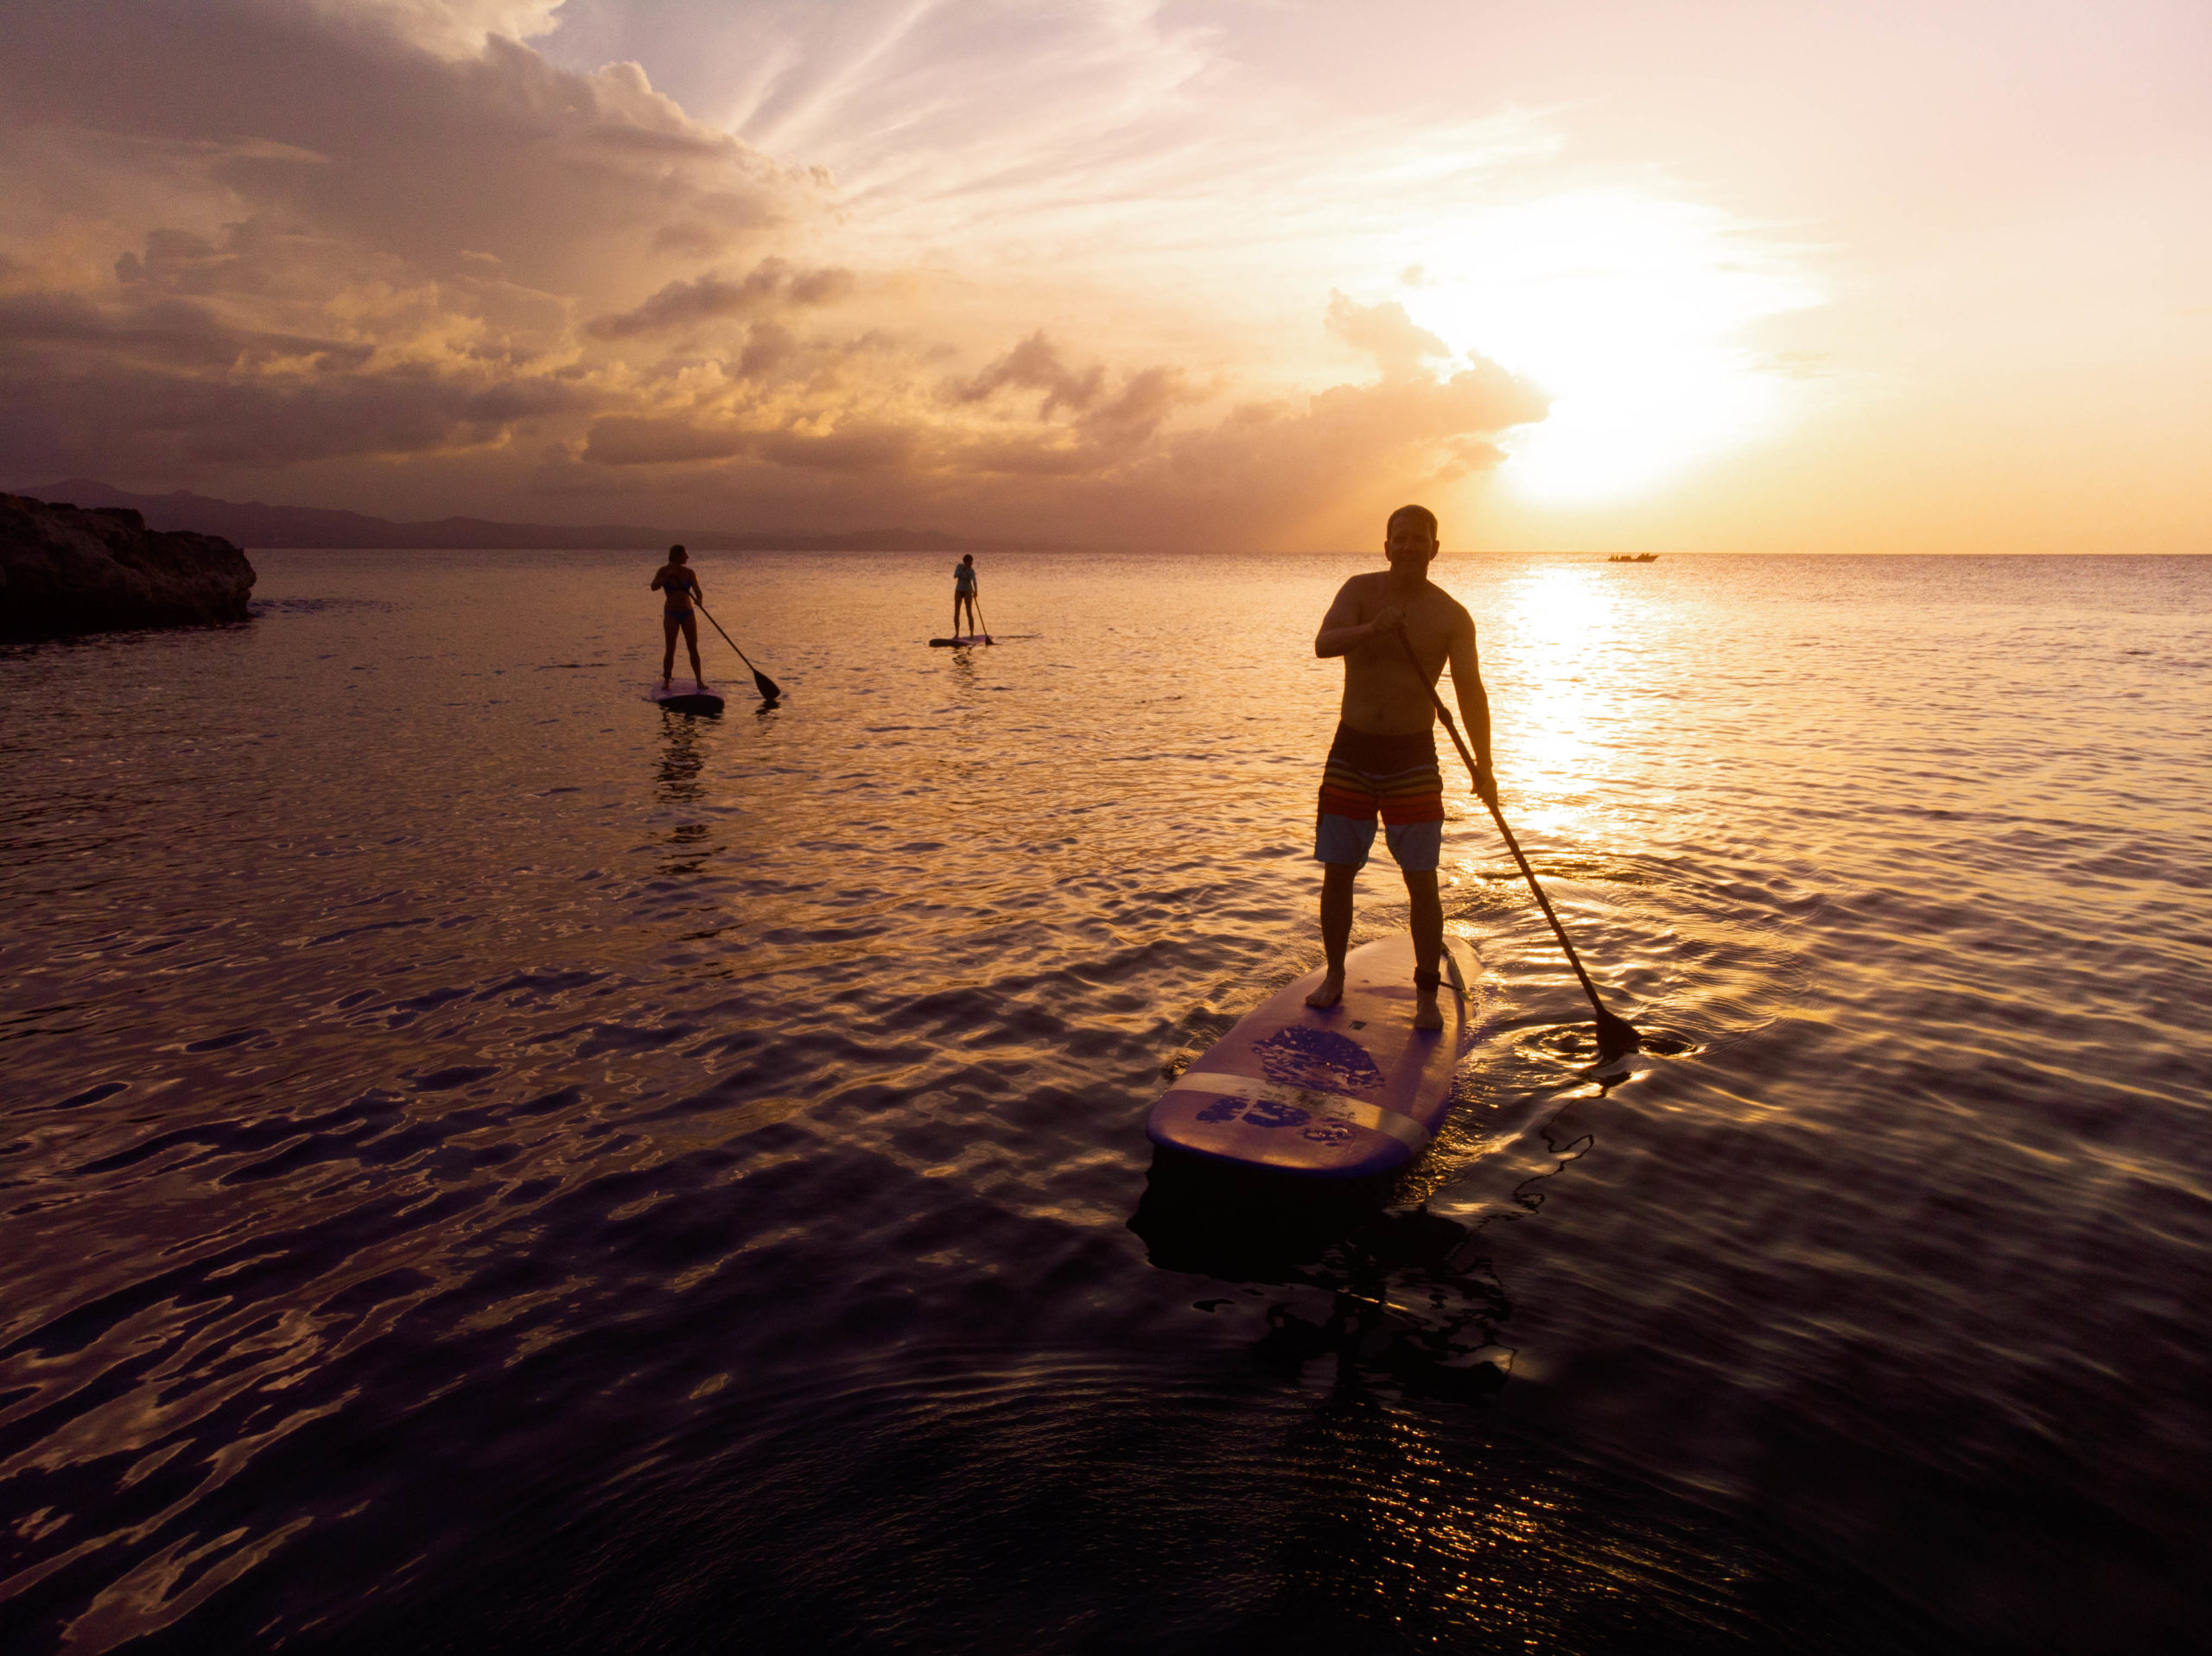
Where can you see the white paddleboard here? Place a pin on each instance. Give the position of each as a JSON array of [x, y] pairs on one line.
[[1342, 1093]]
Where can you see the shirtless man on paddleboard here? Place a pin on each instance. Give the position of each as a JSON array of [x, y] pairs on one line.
[[1383, 759]]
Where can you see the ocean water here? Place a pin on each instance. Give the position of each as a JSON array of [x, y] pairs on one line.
[[488, 1165]]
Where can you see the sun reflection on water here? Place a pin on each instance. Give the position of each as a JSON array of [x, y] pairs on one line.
[[1554, 699]]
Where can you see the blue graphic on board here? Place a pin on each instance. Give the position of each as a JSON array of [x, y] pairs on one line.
[[1273, 1113], [1258, 1112], [1319, 1060]]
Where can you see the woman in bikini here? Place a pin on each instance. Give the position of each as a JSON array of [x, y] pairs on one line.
[[679, 588], [963, 591]]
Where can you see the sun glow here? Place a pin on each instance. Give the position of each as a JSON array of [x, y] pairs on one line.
[[1632, 312]]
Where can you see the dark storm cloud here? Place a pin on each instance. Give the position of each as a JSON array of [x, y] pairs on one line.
[[356, 131], [328, 241]]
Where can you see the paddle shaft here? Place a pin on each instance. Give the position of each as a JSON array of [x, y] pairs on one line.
[[1497, 816], [761, 681], [977, 602]]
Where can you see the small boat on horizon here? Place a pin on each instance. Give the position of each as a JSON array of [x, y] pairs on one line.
[[1640, 557]]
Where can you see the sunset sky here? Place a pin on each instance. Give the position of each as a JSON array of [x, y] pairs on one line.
[[1889, 277]]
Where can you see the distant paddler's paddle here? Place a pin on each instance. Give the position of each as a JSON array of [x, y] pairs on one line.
[[761, 681], [1616, 1036], [978, 604]]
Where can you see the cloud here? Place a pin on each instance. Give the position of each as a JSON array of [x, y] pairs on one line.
[[448, 27], [769, 345], [856, 445], [237, 109], [1385, 333], [166, 333], [172, 423], [904, 97], [634, 439], [1103, 424], [1036, 435], [298, 244], [1034, 365], [772, 282], [329, 239], [1272, 473]]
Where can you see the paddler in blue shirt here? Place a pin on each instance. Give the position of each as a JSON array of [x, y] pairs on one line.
[[1383, 759], [679, 588], [963, 591]]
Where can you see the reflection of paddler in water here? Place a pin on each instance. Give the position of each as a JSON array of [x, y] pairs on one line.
[[963, 591], [1383, 759], [680, 589]]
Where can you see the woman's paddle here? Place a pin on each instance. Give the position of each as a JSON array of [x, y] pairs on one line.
[[980, 621], [761, 681], [1616, 1036]]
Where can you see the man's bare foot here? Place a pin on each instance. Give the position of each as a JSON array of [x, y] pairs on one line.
[[1331, 991], [1425, 1015]]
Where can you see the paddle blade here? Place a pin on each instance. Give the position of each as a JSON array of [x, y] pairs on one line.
[[766, 685], [1616, 1036]]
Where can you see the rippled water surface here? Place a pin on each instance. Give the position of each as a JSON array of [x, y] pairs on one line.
[[487, 1164]]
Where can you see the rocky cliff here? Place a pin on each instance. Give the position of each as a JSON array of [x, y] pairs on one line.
[[63, 570]]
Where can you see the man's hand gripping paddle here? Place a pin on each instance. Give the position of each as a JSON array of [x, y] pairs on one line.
[[761, 681], [1616, 1036]]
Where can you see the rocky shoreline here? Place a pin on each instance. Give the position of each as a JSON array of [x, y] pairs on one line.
[[65, 569]]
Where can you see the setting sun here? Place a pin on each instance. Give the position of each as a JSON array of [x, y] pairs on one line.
[[1633, 312]]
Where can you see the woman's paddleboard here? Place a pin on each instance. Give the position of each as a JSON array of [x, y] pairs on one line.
[[961, 642], [1343, 1094], [686, 695]]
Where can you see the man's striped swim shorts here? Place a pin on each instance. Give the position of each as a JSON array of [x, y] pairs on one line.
[[1392, 776]]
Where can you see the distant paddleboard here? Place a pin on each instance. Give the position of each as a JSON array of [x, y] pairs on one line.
[[960, 642], [1343, 1094], [686, 695]]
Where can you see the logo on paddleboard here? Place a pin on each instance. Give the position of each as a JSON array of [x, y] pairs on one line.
[[1256, 1112], [1274, 1112], [1318, 1060]]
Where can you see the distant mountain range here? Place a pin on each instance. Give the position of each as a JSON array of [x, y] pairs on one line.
[[252, 524]]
